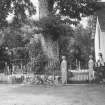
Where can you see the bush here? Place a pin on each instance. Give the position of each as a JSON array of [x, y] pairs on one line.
[[99, 73]]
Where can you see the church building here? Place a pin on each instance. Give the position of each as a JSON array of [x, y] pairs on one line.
[[99, 32]]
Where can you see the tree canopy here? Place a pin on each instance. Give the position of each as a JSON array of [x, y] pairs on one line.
[[78, 46], [16, 7], [73, 9], [63, 12], [52, 25]]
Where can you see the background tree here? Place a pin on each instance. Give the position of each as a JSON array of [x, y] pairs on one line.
[[55, 13], [78, 46], [14, 46], [38, 59], [16, 7], [13, 38], [83, 43], [67, 8]]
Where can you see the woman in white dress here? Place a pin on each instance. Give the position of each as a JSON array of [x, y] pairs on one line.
[[64, 70]]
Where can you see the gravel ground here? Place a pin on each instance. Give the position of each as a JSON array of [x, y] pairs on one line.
[[59, 95]]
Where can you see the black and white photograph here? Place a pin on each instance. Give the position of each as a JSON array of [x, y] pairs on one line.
[[52, 52]]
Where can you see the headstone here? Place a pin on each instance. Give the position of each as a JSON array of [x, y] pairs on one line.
[[5, 70], [90, 66]]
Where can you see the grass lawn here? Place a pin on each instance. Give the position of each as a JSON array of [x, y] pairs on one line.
[[59, 95]]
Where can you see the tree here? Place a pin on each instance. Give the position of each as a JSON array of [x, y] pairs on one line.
[[17, 8], [4, 57], [14, 42], [68, 8], [13, 39], [53, 27], [73, 9], [38, 59], [79, 47]]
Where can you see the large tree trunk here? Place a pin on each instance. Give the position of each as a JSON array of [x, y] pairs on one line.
[[49, 46], [43, 9]]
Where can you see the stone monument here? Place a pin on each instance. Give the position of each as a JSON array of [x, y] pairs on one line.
[[64, 70], [90, 66]]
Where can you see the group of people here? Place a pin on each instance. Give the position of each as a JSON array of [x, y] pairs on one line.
[[91, 65]]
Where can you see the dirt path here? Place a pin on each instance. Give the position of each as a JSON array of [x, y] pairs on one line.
[[60, 95]]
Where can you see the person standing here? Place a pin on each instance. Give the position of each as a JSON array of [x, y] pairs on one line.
[[101, 61], [64, 70], [101, 66], [91, 66]]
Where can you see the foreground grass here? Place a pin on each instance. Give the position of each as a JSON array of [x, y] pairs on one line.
[[58, 95]]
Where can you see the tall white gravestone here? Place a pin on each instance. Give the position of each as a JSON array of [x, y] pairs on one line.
[[64, 70]]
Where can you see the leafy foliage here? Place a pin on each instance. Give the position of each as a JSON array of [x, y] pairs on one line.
[[17, 8], [73, 9], [37, 57], [13, 39], [76, 8], [84, 44], [100, 74], [78, 46], [4, 57], [65, 12], [53, 27]]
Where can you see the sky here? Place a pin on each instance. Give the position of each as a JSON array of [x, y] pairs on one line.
[[35, 2], [84, 22]]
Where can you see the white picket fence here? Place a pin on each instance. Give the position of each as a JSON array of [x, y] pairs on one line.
[[79, 75]]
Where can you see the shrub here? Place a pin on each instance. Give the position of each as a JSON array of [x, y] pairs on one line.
[[99, 73]]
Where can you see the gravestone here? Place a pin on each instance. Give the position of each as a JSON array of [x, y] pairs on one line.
[[91, 66], [64, 70]]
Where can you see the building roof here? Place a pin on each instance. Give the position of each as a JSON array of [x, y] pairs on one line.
[[101, 16]]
